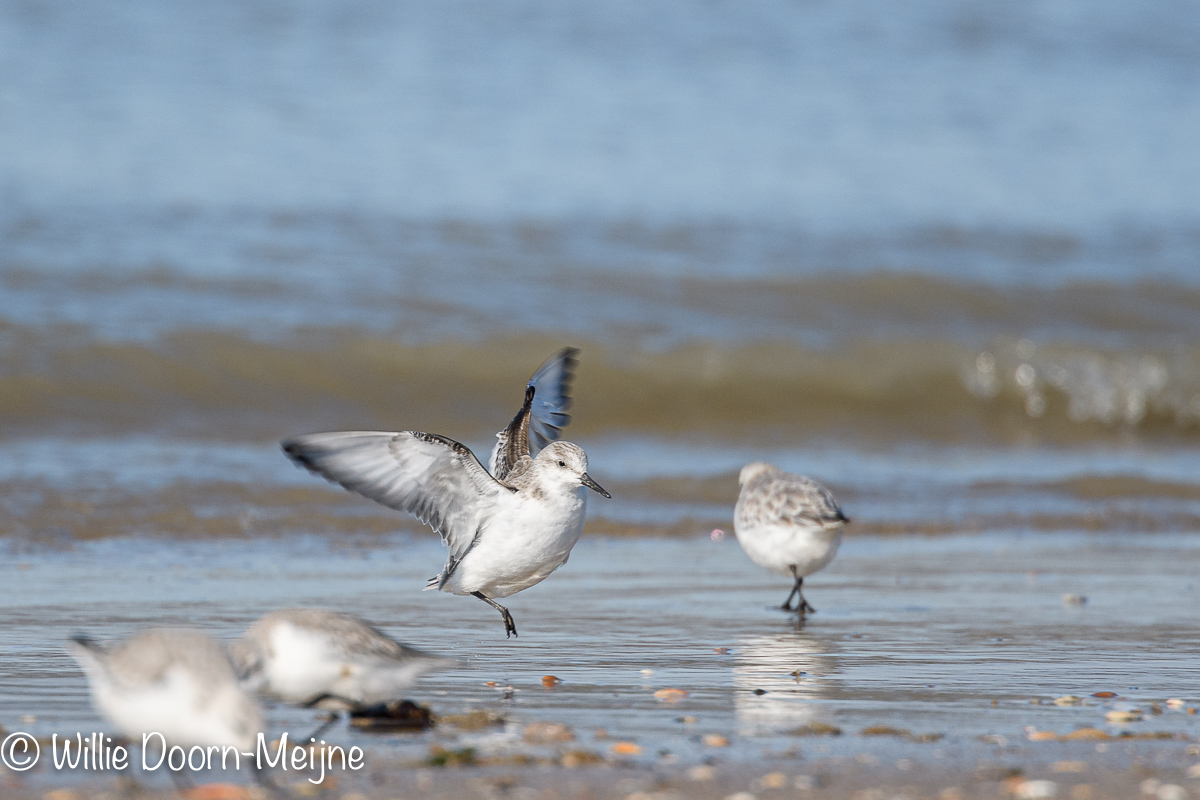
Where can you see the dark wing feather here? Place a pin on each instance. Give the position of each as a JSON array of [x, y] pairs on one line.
[[436, 479], [543, 415]]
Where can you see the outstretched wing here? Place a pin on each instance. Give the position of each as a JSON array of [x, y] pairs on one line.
[[436, 479], [542, 416]]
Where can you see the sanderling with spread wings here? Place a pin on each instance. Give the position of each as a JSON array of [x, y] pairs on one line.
[[176, 683], [506, 530], [313, 657], [788, 524]]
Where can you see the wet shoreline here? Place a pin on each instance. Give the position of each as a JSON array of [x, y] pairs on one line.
[[933, 642]]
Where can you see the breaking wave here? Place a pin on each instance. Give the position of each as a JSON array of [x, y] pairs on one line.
[[228, 386]]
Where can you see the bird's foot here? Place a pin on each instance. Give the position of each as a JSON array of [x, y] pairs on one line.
[[510, 627], [804, 608]]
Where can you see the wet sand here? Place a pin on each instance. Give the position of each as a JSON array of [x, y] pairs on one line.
[[946, 652]]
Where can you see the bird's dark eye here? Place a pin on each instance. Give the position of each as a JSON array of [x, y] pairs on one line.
[[562, 463]]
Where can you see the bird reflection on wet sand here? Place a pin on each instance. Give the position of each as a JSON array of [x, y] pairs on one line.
[[780, 680]]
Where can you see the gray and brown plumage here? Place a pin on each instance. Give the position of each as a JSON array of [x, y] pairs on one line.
[[788, 524]]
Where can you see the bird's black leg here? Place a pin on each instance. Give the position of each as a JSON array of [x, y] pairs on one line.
[[803, 606], [329, 722], [510, 627], [787, 604]]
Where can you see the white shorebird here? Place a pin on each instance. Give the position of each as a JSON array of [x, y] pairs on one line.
[[313, 657], [506, 530], [177, 683], [788, 524]]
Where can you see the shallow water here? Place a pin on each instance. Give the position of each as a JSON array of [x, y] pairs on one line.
[[921, 635]]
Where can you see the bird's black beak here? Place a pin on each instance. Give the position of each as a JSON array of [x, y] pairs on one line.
[[587, 481]]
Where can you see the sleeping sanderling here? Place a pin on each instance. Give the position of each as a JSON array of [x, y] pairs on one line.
[[317, 658]]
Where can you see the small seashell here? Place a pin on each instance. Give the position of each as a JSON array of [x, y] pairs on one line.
[[1132, 715], [773, 780], [1036, 790], [626, 749], [670, 695], [816, 729], [1042, 736], [1104, 695], [1193, 771], [715, 740], [490, 683], [646, 671], [547, 733], [581, 758], [1086, 733], [883, 730], [1068, 700], [1175, 703], [219, 791], [550, 681], [717, 535]]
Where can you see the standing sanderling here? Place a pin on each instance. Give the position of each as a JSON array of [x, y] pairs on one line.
[[506, 530], [314, 657], [176, 683], [788, 524]]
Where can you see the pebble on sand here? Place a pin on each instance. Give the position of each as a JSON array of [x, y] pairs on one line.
[[670, 695], [1042, 736], [701, 773], [715, 740], [884, 730], [773, 780], [1036, 790], [547, 733], [626, 749], [1132, 715], [550, 681], [1074, 600], [219, 791], [1104, 695], [816, 729], [1068, 700], [1194, 771], [1171, 791], [1175, 703], [1086, 733]]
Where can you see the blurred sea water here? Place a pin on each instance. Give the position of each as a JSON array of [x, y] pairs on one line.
[[842, 234]]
